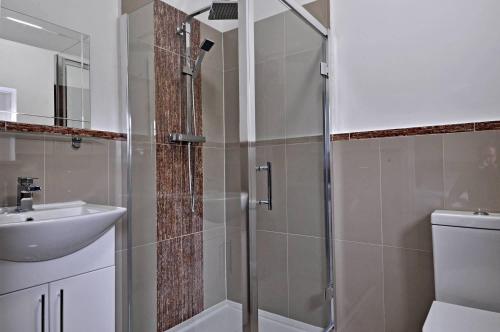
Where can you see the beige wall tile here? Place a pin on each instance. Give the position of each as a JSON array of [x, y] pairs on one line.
[[213, 188], [304, 192], [214, 266], [128, 6], [270, 38], [359, 287], [144, 194], [304, 94], [307, 277], [144, 292], [231, 107], [299, 36], [20, 155], [270, 100], [76, 174], [214, 58], [233, 263], [272, 272], [212, 104], [230, 50], [408, 288], [275, 219], [412, 188], [471, 171], [117, 191], [356, 177], [320, 9]]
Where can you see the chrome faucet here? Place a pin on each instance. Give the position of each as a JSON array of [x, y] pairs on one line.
[[25, 190]]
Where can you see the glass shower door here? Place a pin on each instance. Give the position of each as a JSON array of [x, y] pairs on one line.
[[287, 241]]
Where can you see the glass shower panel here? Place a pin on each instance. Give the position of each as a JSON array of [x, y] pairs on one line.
[[291, 254]]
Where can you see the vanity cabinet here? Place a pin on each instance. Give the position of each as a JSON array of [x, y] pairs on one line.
[[83, 303], [25, 310], [78, 304], [73, 293]]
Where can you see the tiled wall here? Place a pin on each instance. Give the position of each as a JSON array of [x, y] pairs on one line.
[[178, 256], [93, 173], [385, 191]]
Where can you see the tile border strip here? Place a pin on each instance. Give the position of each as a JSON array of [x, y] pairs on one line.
[[63, 131], [426, 130]]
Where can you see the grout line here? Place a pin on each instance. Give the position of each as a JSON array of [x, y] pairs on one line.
[[382, 232], [292, 234], [172, 238], [408, 249], [383, 246]]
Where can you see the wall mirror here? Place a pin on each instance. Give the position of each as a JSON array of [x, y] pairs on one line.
[[44, 72]]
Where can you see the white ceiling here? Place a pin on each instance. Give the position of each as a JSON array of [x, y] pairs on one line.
[[263, 9]]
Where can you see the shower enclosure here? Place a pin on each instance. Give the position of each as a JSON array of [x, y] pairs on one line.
[[233, 232]]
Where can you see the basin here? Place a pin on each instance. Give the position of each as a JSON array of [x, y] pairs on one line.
[[53, 230]]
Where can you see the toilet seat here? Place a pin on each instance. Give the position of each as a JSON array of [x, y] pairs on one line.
[[446, 317]]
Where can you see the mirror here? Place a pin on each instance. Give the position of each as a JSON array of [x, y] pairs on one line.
[[44, 72]]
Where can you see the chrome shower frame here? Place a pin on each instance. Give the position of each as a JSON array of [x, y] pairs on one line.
[[249, 200]]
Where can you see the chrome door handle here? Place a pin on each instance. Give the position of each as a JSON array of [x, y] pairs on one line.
[[268, 168]]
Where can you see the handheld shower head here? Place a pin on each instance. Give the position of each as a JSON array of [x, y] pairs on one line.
[[205, 47]]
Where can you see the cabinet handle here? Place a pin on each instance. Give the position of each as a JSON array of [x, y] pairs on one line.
[[61, 309], [43, 313]]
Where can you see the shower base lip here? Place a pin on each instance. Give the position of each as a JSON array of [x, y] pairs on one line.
[[226, 317], [185, 138]]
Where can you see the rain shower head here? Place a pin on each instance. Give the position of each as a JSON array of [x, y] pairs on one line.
[[218, 10], [205, 47], [224, 10]]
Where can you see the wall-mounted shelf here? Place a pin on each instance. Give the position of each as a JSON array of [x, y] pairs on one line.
[[14, 127]]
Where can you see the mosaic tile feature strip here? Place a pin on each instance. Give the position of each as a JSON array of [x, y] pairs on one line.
[[168, 94], [166, 21], [427, 130], [169, 284], [179, 225], [169, 191], [192, 275], [491, 125]]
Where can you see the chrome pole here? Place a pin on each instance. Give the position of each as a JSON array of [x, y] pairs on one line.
[[327, 178]]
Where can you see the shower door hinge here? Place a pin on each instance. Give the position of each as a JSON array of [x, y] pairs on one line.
[[329, 293], [324, 69]]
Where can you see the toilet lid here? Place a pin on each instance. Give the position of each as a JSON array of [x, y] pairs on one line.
[[445, 317]]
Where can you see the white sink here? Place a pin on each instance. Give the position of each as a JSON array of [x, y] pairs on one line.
[[53, 230]]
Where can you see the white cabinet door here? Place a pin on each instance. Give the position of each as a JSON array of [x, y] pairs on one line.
[[25, 311], [83, 303]]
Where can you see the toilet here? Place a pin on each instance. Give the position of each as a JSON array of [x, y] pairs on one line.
[[467, 272]]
